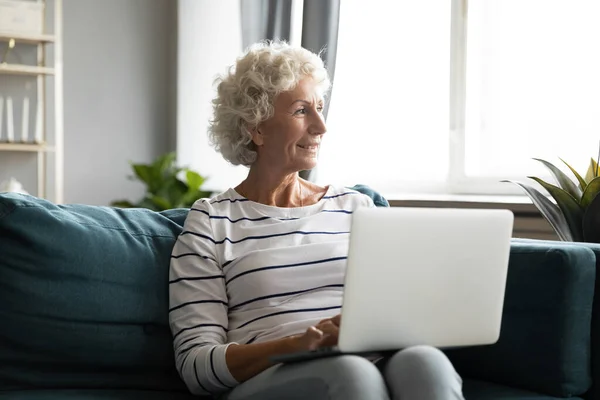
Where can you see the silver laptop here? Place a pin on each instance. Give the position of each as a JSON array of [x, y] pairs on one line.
[[421, 276]]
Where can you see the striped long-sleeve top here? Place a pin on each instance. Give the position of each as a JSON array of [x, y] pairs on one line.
[[244, 272]]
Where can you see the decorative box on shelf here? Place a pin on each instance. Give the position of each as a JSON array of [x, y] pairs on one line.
[[21, 16]]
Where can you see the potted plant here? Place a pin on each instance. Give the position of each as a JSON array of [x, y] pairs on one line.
[[576, 215], [164, 187]]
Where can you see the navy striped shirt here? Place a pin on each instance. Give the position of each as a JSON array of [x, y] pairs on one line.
[[244, 272]]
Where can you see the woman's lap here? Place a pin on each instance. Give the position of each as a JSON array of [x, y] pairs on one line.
[[420, 370], [343, 377]]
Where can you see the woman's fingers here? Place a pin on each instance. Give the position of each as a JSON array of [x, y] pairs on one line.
[[314, 333], [337, 320], [325, 333], [330, 331], [328, 328], [314, 337]]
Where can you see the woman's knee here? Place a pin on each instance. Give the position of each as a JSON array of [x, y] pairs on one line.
[[335, 378], [422, 360], [422, 367], [352, 377], [349, 367]]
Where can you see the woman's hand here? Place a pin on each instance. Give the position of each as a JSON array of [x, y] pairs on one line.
[[324, 334], [247, 360]]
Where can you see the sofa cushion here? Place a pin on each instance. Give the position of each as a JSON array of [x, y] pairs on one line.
[[97, 394], [594, 392], [84, 296], [479, 390], [377, 198], [544, 343]]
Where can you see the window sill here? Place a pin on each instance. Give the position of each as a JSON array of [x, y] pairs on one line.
[[517, 204], [528, 223]]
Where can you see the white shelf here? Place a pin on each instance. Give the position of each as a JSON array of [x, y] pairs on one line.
[[18, 69], [26, 37], [49, 153], [30, 147]]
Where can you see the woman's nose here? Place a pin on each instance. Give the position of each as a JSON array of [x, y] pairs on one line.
[[318, 126]]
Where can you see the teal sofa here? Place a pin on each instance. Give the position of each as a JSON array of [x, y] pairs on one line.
[[84, 300]]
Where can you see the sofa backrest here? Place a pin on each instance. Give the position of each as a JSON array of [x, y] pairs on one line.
[[84, 295], [545, 342], [594, 392]]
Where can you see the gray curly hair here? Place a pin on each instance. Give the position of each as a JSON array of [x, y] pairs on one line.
[[246, 93]]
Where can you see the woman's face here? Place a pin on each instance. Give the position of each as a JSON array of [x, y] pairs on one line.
[[291, 138]]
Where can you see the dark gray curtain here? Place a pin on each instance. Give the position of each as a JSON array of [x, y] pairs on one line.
[[320, 23], [265, 19], [271, 19]]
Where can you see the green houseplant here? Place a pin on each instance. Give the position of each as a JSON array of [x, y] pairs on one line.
[[164, 187], [576, 214]]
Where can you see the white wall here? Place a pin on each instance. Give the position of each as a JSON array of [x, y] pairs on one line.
[[209, 40], [119, 97], [117, 93]]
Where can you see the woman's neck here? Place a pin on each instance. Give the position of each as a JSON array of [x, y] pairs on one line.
[[267, 187]]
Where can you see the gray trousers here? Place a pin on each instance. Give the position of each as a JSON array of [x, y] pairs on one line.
[[416, 373]]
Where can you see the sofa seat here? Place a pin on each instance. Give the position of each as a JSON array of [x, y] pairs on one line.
[[95, 394], [84, 310], [480, 390], [473, 390]]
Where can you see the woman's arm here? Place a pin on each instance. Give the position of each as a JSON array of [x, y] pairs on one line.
[[247, 360], [198, 307], [198, 316]]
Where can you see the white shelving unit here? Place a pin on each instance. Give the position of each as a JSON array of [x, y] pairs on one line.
[[42, 71], [27, 38]]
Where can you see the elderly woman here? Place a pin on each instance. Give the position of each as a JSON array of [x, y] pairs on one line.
[[258, 269]]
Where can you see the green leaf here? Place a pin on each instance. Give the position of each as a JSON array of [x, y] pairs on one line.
[[549, 210], [563, 180], [164, 166], [194, 180], [591, 172], [164, 190], [582, 182], [590, 192], [204, 194], [149, 204], [568, 205], [190, 197], [173, 190], [162, 171], [143, 173], [161, 203], [122, 204], [591, 221], [164, 162]]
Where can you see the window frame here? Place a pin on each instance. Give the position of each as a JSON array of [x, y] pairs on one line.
[[458, 181]]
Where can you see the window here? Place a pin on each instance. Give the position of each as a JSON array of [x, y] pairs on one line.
[[388, 117], [452, 96]]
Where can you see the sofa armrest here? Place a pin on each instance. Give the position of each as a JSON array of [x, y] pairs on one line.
[[544, 342]]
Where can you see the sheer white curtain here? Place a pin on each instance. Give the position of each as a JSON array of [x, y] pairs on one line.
[[388, 116], [533, 85], [209, 40]]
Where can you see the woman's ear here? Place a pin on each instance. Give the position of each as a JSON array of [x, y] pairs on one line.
[[257, 137]]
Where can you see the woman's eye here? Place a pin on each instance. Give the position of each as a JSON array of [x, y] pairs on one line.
[[301, 111], [320, 109]]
